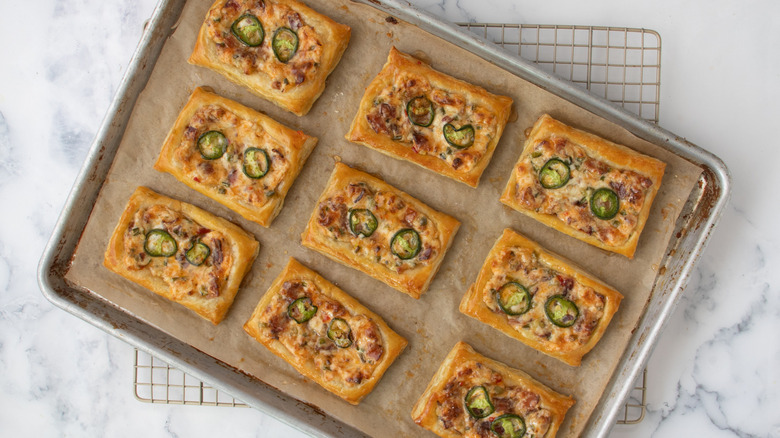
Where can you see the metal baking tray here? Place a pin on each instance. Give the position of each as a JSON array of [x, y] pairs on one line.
[[697, 220]]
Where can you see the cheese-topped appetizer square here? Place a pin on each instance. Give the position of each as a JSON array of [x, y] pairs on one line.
[[587, 187], [413, 112], [181, 252], [474, 396], [540, 299], [325, 334], [234, 155], [367, 224], [282, 50]]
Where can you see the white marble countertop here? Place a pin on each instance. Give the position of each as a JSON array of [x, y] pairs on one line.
[[714, 373]]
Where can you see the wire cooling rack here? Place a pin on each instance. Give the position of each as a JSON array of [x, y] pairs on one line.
[[620, 64]]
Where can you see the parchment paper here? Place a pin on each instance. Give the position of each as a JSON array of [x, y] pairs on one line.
[[432, 324]]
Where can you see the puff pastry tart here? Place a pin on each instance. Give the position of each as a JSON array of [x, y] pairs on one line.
[[413, 112], [282, 50], [325, 334], [587, 187], [233, 154], [540, 299], [181, 252], [474, 396], [367, 224]]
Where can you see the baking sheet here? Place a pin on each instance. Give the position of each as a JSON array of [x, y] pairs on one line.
[[386, 411]]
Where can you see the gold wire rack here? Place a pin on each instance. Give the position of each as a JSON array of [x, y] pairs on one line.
[[622, 65]]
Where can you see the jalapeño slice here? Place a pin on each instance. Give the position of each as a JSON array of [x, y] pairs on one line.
[[256, 163], [198, 253], [362, 222], [212, 145], [478, 402], [459, 138], [604, 203], [554, 174], [514, 299], [301, 310], [405, 244], [248, 29], [340, 333], [560, 311], [420, 111], [159, 243], [508, 426], [285, 44]]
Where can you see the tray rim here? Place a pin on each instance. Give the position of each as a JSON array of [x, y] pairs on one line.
[[716, 191]]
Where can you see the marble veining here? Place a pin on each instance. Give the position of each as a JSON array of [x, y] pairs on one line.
[[714, 373]]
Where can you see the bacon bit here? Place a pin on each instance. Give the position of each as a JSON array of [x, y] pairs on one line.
[[196, 179], [299, 72], [566, 282], [217, 256], [483, 428], [442, 98], [411, 82], [295, 20], [645, 182], [190, 133], [409, 216], [377, 123], [291, 291], [203, 231], [276, 324], [527, 400], [425, 254], [276, 85], [387, 111], [206, 168], [333, 213], [374, 349], [528, 198], [421, 143], [634, 196], [356, 378], [595, 166], [449, 412], [619, 188], [231, 178], [559, 144], [465, 372], [213, 286], [456, 163]]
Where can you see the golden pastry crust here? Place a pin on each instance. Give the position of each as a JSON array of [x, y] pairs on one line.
[[516, 259], [594, 164], [293, 85], [441, 408], [223, 179], [382, 122], [350, 372], [329, 231], [207, 289]]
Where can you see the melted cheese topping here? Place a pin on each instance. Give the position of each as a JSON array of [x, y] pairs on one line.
[[571, 203], [392, 213], [522, 265], [261, 59], [388, 116], [183, 278], [309, 341], [225, 175], [505, 398]]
